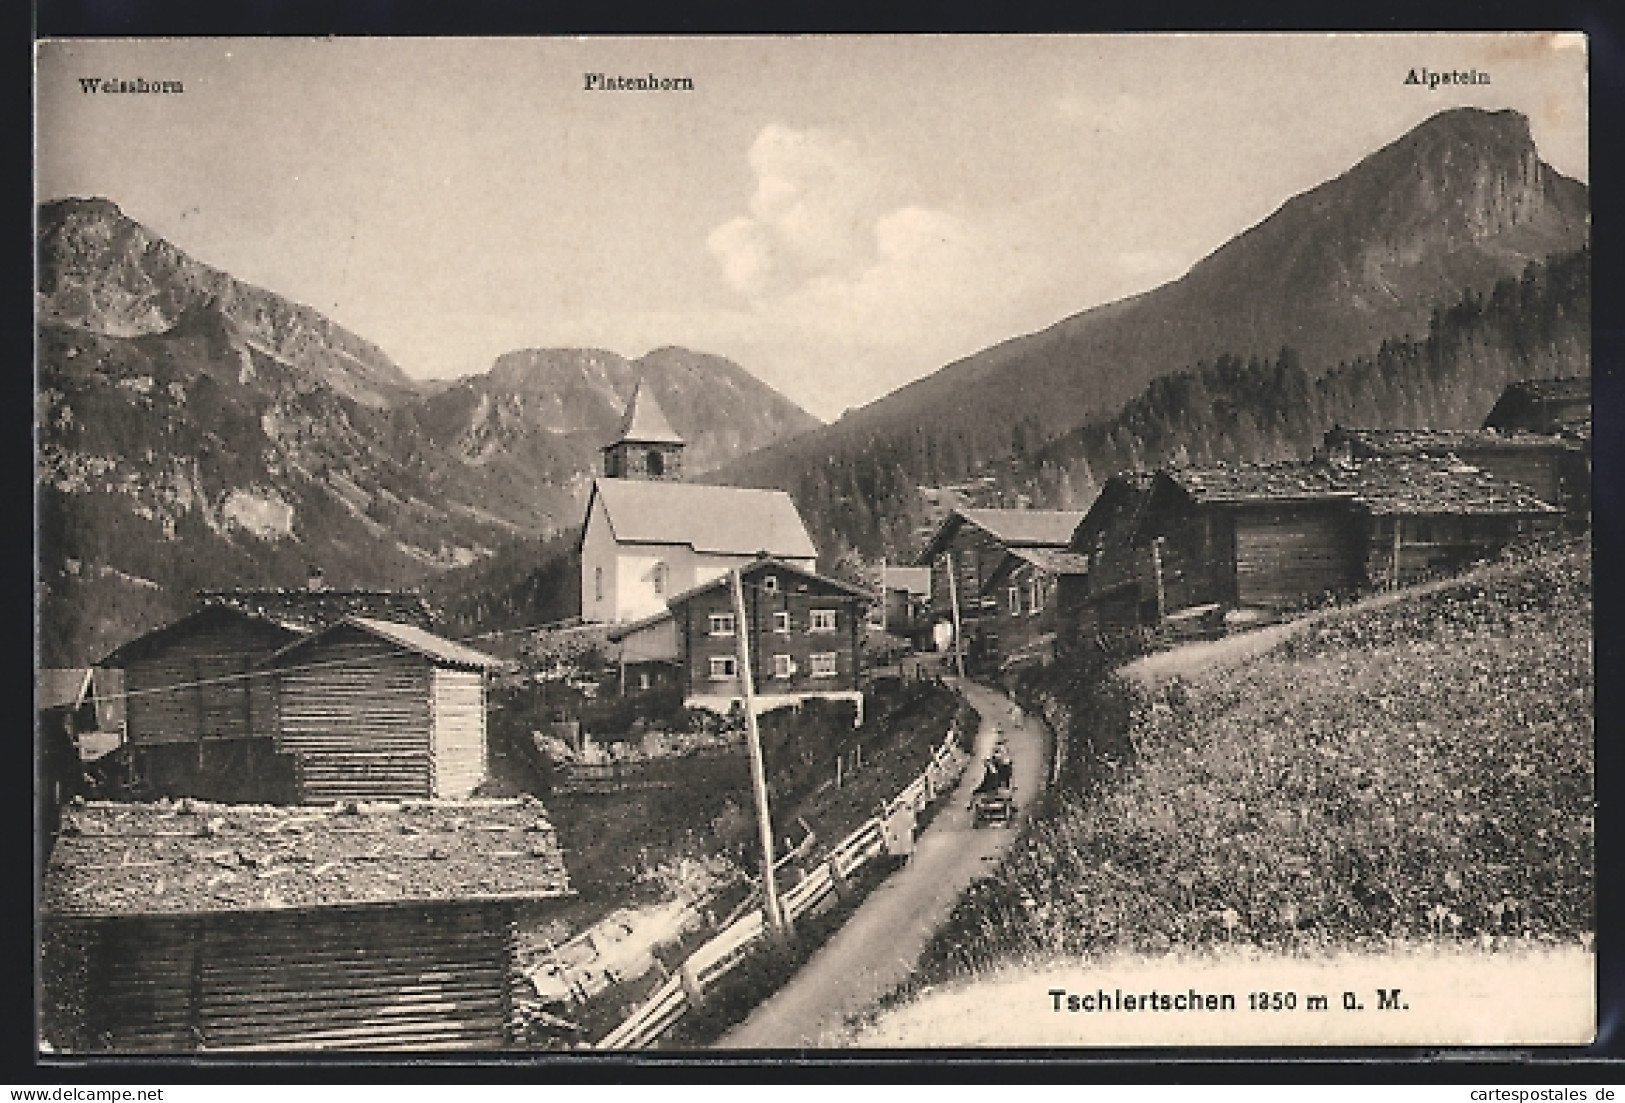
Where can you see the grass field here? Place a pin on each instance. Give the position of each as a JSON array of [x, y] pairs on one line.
[[1416, 772]]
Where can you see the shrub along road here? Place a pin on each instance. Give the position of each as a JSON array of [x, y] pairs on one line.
[[879, 945]]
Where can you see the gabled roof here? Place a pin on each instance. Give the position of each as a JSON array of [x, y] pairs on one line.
[[1383, 485], [769, 566], [1014, 528], [1048, 560], [645, 422], [1543, 405], [130, 651], [186, 857], [312, 609], [621, 631], [724, 520], [58, 687], [437, 649], [1437, 442]]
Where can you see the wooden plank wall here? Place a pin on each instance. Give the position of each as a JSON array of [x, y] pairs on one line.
[[380, 978], [356, 710], [168, 705], [1284, 555], [459, 731]]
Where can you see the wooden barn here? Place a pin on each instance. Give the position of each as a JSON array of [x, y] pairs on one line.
[[200, 711], [371, 709], [1116, 559], [1542, 406], [181, 927], [1035, 591], [970, 544], [1272, 536], [1556, 467]]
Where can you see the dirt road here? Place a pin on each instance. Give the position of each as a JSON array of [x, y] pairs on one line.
[[878, 946]]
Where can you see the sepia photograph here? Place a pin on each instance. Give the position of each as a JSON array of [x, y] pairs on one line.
[[804, 545]]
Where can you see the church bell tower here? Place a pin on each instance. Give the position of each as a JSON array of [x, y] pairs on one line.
[[647, 447]]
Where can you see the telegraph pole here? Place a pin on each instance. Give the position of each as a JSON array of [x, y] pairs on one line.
[[753, 740], [953, 599]]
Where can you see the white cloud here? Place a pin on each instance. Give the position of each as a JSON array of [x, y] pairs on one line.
[[842, 260]]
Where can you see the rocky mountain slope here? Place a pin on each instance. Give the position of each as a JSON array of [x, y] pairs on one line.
[[195, 431], [1458, 203]]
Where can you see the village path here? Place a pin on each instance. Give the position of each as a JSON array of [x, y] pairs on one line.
[[1192, 658], [877, 947]]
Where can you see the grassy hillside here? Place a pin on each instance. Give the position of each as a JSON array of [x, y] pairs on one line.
[[1418, 771]]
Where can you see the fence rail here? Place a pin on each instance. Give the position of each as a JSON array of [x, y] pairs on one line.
[[713, 960]]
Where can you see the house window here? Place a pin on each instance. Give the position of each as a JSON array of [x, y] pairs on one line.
[[598, 583], [723, 667], [722, 624], [644, 681], [655, 463], [770, 584], [1035, 591], [783, 666], [821, 620], [781, 623], [660, 578], [823, 666], [1015, 601]]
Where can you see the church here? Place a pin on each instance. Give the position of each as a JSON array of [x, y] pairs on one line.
[[648, 536]]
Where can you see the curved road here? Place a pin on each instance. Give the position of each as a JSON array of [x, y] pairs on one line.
[[877, 947]]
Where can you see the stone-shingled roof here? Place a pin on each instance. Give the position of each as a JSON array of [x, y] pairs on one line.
[[1421, 486], [309, 610], [1438, 442], [119, 858]]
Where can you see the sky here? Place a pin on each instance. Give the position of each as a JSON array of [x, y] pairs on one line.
[[840, 216]]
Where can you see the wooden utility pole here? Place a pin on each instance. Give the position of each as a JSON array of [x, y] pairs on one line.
[[753, 740], [1156, 571], [953, 600]]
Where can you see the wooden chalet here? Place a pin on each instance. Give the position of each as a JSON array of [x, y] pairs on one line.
[[185, 926], [1272, 536], [375, 710], [1034, 592], [1556, 467], [804, 638], [1116, 559], [970, 544], [1547, 406], [200, 712]]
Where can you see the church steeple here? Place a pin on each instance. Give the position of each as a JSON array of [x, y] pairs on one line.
[[647, 446]]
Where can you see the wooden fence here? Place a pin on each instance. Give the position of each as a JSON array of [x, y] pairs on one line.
[[712, 961]]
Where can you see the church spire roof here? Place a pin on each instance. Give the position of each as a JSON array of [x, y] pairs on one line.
[[645, 422]]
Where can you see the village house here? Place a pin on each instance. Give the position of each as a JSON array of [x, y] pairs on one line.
[[1273, 536], [971, 544], [1116, 560], [647, 536], [186, 926], [1033, 592], [803, 631], [1547, 406]]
